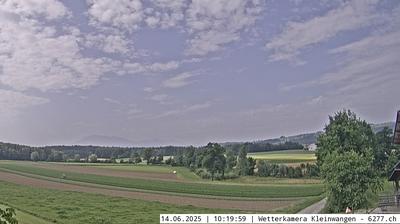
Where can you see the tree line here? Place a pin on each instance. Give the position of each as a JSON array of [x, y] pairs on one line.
[[9, 151], [216, 162]]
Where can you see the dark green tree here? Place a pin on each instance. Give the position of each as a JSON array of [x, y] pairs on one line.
[[147, 154], [346, 159], [230, 160], [345, 132], [383, 149], [242, 163], [348, 176], [135, 157], [214, 159], [252, 166]]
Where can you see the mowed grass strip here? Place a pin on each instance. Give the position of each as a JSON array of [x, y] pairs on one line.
[[74, 207], [252, 191], [286, 156]]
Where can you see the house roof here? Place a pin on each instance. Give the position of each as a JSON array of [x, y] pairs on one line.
[[396, 139]]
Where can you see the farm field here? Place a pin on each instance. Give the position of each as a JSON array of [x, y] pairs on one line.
[[211, 189], [286, 156], [151, 196]]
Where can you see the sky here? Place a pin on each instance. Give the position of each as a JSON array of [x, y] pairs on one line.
[[177, 72]]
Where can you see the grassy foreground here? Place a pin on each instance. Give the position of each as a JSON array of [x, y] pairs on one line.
[[73, 207], [234, 190]]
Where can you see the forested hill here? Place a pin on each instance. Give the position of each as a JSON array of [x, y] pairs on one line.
[[59, 153]]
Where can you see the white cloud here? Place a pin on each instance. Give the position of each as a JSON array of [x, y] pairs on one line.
[[50, 9], [33, 56], [159, 97], [108, 43], [148, 89], [134, 67], [212, 24], [160, 67], [125, 14], [166, 13], [299, 35], [178, 80], [12, 102], [112, 101], [183, 110]]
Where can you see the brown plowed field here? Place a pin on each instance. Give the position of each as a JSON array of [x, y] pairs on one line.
[[108, 172], [170, 199]]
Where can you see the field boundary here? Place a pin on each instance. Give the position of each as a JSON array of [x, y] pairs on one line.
[[101, 186]]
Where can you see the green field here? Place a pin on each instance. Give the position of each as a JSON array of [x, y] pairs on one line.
[[212, 189], [286, 156], [41, 205], [44, 206]]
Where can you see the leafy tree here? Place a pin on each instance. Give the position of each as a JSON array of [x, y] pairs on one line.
[[345, 132], [242, 163], [77, 158], [147, 154], [56, 156], [136, 158], [230, 160], [7, 216], [214, 159], [393, 158], [262, 167], [283, 170], [189, 157], [252, 164], [346, 160], [348, 176], [383, 149], [35, 156], [92, 158]]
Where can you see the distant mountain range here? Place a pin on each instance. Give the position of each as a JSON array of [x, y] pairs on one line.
[[310, 138], [304, 139], [103, 140]]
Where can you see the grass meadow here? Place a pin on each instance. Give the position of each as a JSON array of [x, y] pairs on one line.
[[211, 189], [286, 156]]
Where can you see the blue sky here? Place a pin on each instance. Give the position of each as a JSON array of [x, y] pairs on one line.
[[189, 72]]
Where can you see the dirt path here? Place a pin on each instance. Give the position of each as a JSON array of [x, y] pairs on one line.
[[109, 172], [170, 199], [314, 208]]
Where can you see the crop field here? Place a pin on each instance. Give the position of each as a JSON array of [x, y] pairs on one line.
[[70, 185], [286, 156]]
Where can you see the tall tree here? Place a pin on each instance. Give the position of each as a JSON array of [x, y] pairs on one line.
[[345, 156], [147, 154], [214, 159], [345, 132], [242, 163], [35, 156], [230, 160], [383, 149]]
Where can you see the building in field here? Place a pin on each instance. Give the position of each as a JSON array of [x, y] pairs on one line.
[[312, 147]]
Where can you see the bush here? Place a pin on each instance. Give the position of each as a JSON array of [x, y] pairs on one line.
[[93, 158], [7, 216]]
